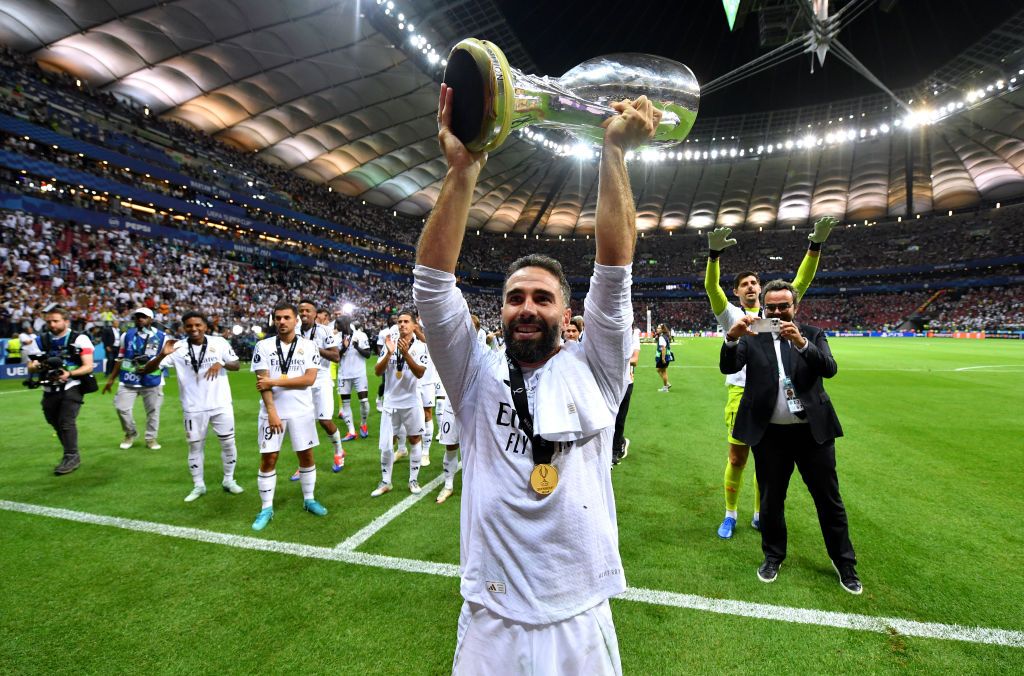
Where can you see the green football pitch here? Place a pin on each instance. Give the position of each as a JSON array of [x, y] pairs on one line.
[[108, 570]]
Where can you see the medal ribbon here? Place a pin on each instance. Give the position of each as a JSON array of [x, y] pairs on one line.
[[196, 364], [281, 361], [543, 449]]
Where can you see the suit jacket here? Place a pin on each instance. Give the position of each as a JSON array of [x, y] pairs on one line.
[[757, 353]]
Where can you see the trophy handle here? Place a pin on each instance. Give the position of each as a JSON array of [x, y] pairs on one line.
[[482, 106]]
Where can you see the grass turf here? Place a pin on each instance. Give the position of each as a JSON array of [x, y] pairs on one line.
[[928, 469]]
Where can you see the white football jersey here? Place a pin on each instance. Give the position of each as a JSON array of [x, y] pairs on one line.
[[402, 391], [289, 402], [525, 557], [324, 340], [430, 375], [195, 391], [353, 364]]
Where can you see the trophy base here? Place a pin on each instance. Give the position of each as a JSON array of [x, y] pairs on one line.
[[482, 107]]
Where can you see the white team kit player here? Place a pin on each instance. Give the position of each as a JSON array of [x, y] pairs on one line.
[[539, 547], [448, 425], [323, 388], [428, 393], [400, 364], [355, 349], [286, 368], [202, 363]]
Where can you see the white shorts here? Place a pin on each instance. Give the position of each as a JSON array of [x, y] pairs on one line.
[[490, 644], [449, 435], [427, 393], [350, 385], [393, 420], [301, 431], [198, 422], [323, 398]]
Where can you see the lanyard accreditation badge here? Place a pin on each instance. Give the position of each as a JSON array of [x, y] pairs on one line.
[[544, 478]]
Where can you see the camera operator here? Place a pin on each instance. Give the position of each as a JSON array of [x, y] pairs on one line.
[[63, 360]]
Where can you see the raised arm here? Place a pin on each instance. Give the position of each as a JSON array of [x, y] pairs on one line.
[[615, 227], [441, 240], [809, 266], [718, 241]]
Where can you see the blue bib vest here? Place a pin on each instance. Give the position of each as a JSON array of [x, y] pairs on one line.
[[138, 345]]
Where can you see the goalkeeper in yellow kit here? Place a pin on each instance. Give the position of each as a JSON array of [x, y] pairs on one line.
[[747, 289]]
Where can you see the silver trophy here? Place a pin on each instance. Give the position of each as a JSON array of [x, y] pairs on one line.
[[492, 99]]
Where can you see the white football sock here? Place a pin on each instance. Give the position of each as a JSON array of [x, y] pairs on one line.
[[415, 455], [428, 438], [387, 461], [336, 441], [346, 412], [195, 462], [451, 465], [730, 513], [403, 441], [307, 480], [266, 483], [228, 456], [364, 411]]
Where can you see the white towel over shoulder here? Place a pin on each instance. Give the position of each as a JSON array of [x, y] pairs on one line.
[[568, 404]]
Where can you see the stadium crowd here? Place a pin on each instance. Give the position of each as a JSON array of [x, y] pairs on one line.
[[99, 117], [94, 271]]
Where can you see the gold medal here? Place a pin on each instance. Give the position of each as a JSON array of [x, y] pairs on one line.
[[544, 479], [284, 376]]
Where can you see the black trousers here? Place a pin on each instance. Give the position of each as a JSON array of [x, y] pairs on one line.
[[782, 448], [61, 411], [620, 422]]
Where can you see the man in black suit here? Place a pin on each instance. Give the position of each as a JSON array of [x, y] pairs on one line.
[[787, 418]]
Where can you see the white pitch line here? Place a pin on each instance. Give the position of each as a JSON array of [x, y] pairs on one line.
[[824, 618], [387, 517], [993, 366], [16, 391]]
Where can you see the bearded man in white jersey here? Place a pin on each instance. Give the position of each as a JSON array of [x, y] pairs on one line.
[[323, 388], [202, 363], [400, 364], [539, 541], [286, 368]]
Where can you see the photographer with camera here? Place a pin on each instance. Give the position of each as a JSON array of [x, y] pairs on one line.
[[60, 361], [138, 346]]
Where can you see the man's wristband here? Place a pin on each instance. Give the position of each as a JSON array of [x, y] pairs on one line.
[[713, 255], [814, 246]]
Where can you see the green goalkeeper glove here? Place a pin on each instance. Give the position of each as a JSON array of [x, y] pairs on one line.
[[822, 228], [718, 239]]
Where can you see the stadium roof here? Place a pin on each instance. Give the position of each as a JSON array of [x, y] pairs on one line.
[[335, 91]]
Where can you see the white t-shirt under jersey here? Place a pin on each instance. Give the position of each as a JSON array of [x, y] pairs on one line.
[[353, 364], [196, 392], [404, 391], [324, 340], [289, 402], [529, 558], [726, 318]]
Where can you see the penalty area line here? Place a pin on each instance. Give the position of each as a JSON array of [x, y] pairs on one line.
[[823, 618]]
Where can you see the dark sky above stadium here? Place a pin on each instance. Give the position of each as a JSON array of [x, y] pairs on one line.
[[900, 41]]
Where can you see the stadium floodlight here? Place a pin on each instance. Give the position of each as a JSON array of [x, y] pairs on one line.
[[347, 308], [257, 329], [237, 329]]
